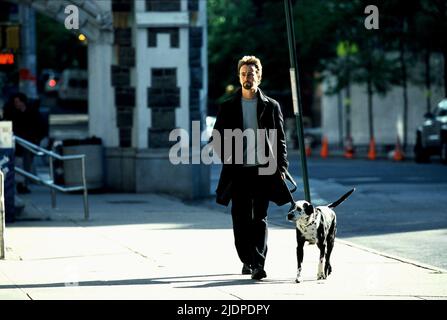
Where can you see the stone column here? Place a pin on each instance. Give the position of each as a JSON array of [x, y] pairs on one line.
[[102, 114], [170, 93]]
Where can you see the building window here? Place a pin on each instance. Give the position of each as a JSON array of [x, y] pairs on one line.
[[162, 5], [121, 5], [173, 35], [164, 77], [193, 5], [164, 91]]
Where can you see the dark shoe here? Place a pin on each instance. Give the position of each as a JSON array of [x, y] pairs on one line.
[[246, 269], [258, 274], [21, 188]]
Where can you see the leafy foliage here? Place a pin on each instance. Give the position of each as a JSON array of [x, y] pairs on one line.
[[57, 48], [241, 27]]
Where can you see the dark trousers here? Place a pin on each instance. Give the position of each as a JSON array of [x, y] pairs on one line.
[[249, 213]]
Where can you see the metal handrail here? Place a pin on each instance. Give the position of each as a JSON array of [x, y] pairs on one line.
[[39, 151], [2, 217]]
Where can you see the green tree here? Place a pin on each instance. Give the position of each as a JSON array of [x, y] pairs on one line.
[[435, 17], [237, 28], [229, 38], [343, 63], [339, 71], [57, 48], [377, 71], [400, 36], [430, 29]]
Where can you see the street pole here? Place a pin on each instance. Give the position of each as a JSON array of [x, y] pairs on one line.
[[27, 61], [296, 96]]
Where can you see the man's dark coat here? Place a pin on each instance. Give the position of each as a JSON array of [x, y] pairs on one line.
[[269, 117]]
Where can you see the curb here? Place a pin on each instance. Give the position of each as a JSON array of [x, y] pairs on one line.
[[388, 255]]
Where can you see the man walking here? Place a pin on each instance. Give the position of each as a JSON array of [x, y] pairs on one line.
[[245, 184], [26, 124]]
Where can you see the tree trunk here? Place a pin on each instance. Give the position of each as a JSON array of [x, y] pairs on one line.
[[405, 94], [370, 108], [340, 119], [428, 79], [348, 110], [444, 53]]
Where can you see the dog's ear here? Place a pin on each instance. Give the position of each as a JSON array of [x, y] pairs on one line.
[[308, 208], [292, 210]]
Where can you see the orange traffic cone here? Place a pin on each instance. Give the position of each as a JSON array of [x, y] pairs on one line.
[[398, 153], [372, 150], [308, 148], [324, 148], [349, 148]]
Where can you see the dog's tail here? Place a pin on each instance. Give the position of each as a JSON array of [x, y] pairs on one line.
[[342, 198]]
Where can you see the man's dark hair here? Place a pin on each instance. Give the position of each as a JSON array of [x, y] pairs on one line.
[[21, 96], [250, 60]]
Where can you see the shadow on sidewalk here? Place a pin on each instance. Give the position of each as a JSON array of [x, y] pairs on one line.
[[204, 283]]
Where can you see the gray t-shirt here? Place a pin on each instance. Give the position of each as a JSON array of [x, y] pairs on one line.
[[250, 121]]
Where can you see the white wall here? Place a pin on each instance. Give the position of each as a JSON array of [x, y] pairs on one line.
[[163, 56], [387, 113], [102, 111]]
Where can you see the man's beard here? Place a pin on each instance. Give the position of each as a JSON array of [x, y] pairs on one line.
[[248, 85]]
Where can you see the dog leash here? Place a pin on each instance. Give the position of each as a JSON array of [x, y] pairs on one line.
[[290, 178]]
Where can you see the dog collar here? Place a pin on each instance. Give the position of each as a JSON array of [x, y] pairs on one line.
[[308, 226]]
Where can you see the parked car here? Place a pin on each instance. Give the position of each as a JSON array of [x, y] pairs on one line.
[[431, 136], [73, 86]]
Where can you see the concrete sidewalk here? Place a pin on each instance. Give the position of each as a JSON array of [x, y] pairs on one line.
[[155, 247]]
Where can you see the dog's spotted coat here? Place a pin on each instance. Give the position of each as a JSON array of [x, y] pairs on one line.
[[308, 225], [316, 226]]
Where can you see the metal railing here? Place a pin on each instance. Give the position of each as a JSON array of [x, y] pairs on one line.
[[39, 151], [2, 217]]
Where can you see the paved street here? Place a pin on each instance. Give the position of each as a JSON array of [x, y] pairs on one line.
[[398, 207]]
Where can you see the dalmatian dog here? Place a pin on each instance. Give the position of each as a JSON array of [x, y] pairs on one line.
[[316, 225]]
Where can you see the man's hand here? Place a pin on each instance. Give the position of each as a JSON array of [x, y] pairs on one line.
[[283, 175]]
